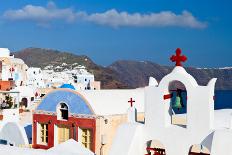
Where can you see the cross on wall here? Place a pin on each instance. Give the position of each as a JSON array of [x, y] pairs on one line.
[[11, 71], [131, 101]]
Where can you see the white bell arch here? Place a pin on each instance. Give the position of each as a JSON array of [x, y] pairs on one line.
[[180, 75]]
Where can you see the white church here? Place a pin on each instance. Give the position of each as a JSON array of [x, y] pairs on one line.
[[164, 133]]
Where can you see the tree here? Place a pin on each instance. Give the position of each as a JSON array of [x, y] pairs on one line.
[[9, 101]]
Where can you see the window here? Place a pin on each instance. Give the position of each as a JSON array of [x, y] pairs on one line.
[[42, 95], [86, 138], [198, 149], [62, 111], [155, 147], [63, 133], [43, 133]]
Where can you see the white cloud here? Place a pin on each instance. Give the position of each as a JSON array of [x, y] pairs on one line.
[[41, 15], [44, 15], [165, 18]]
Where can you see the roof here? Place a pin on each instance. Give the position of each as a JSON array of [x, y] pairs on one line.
[[13, 132], [17, 61], [12, 150], [99, 102], [76, 103], [72, 146], [115, 101], [69, 86], [4, 52], [222, 118]]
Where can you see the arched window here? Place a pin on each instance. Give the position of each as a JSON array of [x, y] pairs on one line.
[[154, 147], [198, 149], [62, 111]]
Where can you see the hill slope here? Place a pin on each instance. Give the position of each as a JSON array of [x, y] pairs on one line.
[[38, 57], [136, 74]]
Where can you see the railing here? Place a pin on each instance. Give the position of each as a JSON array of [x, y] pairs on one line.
[[156, 151], [159, 151]]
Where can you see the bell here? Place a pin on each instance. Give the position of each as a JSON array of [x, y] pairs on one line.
[[178, 104], [178, 100]]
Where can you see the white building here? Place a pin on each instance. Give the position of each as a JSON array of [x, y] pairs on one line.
[[35, 78], [26, 95], [82, 79], [12, 68], [79, 77], [5, 52], [55, 79], [161, 134]]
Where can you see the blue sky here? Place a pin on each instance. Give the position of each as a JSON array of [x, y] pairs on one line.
[[109, 30]]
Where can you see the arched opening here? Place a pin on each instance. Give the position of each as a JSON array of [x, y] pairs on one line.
[[178, 103], [154, 147], [62, 111], [24, 102], [198, 149]]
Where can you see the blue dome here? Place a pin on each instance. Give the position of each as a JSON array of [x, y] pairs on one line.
[[69, 86], [76, 103]]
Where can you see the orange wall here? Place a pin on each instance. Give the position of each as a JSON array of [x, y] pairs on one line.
[[6, 85]]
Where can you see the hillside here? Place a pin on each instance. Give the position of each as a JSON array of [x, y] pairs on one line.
[[38, 57], [139, 72], [120, 74]]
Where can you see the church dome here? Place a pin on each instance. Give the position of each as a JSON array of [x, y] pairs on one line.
[[69, 86]]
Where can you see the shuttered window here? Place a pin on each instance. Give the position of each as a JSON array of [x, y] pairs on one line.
[[86, 138], [43, 133]]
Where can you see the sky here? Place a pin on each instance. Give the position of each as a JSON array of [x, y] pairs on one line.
[[110, 30]]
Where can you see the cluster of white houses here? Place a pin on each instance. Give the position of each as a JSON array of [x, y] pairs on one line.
[[31, 82], [127, 122]]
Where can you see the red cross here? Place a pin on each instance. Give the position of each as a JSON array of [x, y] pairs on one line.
[[178, 58], [131, 101], [12, 69]]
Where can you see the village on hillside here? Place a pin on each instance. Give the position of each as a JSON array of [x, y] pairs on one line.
[[50, 112]]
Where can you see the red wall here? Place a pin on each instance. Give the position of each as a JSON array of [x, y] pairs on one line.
[[72, 123]]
